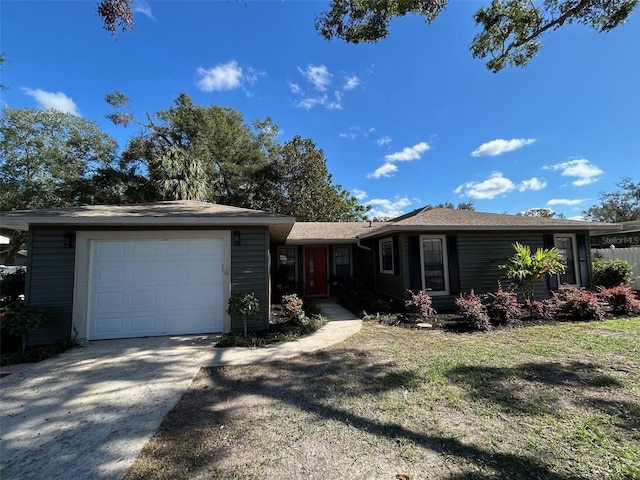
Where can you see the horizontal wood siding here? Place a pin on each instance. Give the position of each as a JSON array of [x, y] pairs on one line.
[[479, 257], [50, 274], [389, 284], [250, 274]]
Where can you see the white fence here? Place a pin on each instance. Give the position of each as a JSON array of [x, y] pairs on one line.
[[631, 255]]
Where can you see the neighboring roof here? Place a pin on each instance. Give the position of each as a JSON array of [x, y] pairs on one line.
[[329, 232], [440, 219], [170, 213], [4, 240]]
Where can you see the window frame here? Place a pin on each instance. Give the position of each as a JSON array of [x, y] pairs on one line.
[[295, 260], [445, 265], [382, 242], [349, 255], [574, 251]]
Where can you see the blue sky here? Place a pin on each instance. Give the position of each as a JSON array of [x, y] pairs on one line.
[[409, 121]]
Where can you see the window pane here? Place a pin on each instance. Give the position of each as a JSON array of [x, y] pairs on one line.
[[565, 245], [387, 255], [433, 257], [342, 261], [287, 264]]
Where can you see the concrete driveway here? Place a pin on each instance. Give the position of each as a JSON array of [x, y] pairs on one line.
[[88, 412]]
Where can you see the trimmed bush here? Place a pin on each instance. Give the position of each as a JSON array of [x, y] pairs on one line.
[[621, 300], [474, 311], [503, 307], [292, 307], [546, 309], [579, 304], [419, 306], [611, 273]]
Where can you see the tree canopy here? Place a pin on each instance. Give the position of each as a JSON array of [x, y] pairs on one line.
[[192, 152], [510, 30], [622, 205]]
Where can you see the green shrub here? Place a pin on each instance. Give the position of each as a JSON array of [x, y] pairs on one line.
[[243, 305], [611, 273], [578, 304], [621, 300], [19, 320], [474, 311], [293, 307]]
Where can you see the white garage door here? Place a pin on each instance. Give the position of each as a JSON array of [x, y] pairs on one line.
[[141, 288]]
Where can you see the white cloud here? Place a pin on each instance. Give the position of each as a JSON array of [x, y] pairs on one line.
[[490, 188], [359, 194], [227, 76], [382, 207], [295, 88], [383, 141], [54, 100], [534, 183], [309, 103], [408, 153], [349, 135], [351, 82], [500, 146], [386, 170], [142, 6], [318, 76], [565, 201], [336, 104], [579, 168]]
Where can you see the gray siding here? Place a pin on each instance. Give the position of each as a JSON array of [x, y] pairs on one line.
[[50, 276], [479, 255], [392, 284], [250, 274]]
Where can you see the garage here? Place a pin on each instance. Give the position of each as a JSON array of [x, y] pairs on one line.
[[140, 288]]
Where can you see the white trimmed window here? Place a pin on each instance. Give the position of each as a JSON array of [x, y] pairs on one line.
[[566, 244], [386, 255], [433, 257]]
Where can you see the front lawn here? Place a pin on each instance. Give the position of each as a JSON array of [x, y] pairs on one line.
[[541, 402]]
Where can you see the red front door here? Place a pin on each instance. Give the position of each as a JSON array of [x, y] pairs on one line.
[[315, 271]]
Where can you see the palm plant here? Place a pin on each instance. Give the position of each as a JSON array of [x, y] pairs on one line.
[[525, 268]]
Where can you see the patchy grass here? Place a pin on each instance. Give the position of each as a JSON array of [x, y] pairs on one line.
[[543, 402]]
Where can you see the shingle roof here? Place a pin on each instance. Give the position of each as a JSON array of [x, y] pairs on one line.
[[176, 208], [432, 219], [332, 232], [183, 213]]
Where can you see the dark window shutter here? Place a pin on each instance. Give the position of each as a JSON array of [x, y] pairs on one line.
[[415, 269], [548, 242], [396, 255], [582, 245], [454, 267]]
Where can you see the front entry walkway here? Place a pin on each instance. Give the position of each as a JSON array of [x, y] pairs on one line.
[[88, 412]]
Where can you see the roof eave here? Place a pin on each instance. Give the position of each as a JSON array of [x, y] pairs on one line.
[[507, 228], [23, 223], [322, 241]]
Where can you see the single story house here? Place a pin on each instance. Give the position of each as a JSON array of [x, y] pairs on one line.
[[168, 268]]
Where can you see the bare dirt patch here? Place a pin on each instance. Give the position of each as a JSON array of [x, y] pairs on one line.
[[552, 402]]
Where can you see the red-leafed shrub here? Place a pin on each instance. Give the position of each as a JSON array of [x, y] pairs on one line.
[[471, 308], [503, 307], [546, 309], [419, 306], [578, 304], [621, 300]]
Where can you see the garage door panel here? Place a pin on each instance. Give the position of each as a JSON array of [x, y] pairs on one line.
[[155, 287]]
